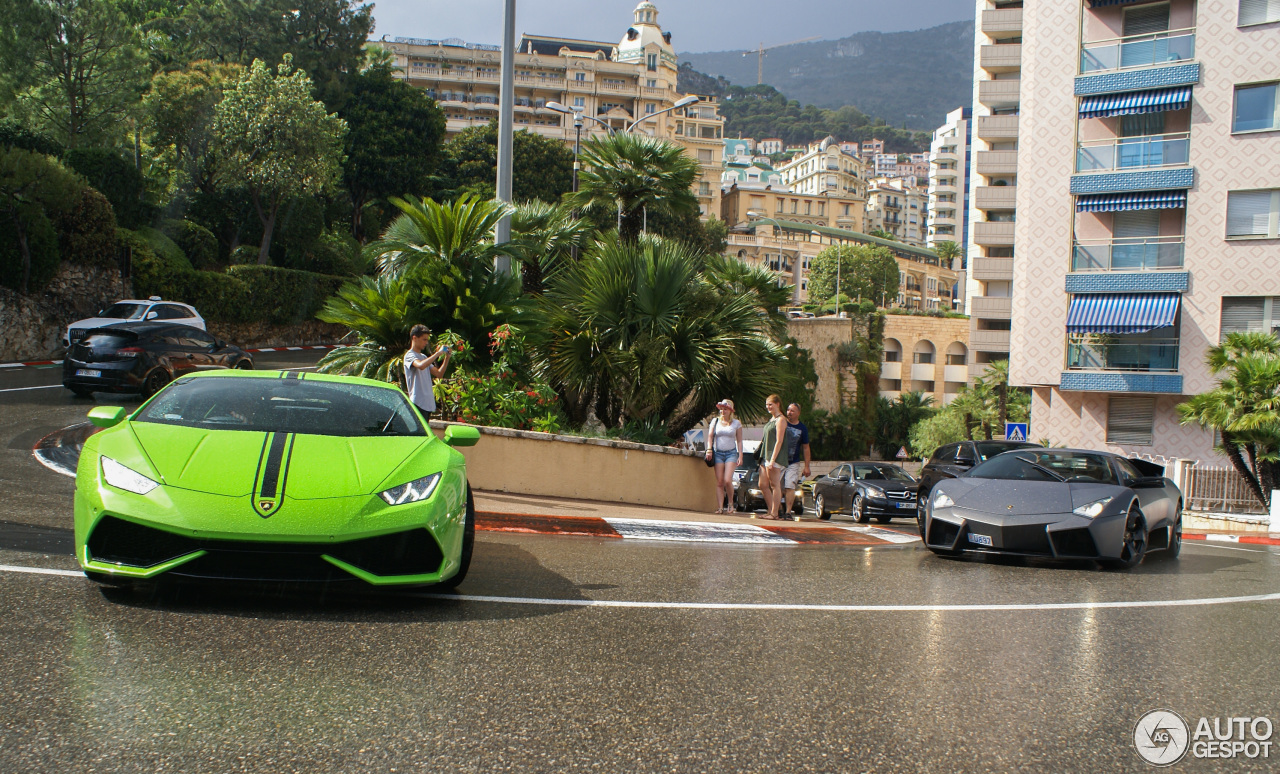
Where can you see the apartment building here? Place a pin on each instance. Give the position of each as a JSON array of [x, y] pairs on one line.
[[949, 181], [1152, 224], [614, 84], [825, 168], [785, 231], [769, 146], [993, 178], [873, 147], [898, 207]]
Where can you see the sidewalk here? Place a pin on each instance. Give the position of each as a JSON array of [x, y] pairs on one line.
[[503, 512]]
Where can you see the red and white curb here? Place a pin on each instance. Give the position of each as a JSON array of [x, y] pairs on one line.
[[1257, 540], [35, 363], [690, 531]]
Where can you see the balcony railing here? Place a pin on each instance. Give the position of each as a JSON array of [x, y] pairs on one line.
[[1138, 51], [1156, 150], [1132, 254], [1092, 352]]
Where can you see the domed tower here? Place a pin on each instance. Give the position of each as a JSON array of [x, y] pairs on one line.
[[645, 43]]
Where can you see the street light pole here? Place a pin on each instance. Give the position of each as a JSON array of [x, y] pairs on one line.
[[506, 118], [682, 102]]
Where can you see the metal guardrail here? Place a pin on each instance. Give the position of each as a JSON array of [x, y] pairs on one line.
[[1156, 150], [1221, 490], [1150, 355]]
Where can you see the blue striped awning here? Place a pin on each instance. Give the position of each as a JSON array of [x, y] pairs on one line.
[[1121, 312], [1101, 3], [1143, 200], [1133, 102]]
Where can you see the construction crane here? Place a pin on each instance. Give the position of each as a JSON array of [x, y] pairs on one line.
[[759, 52]]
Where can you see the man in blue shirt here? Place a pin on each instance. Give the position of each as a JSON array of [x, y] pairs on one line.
[[798, 439]]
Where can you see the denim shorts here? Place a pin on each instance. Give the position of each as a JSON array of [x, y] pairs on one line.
[[725, 457]]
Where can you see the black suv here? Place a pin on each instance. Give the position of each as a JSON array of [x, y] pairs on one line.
[[953, 459], [143, 357]]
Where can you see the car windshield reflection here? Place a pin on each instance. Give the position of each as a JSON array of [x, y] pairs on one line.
[[283, 406]]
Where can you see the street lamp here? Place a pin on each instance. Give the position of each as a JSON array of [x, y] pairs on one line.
[[682, 102], [795, 287], [578, 115], [506, 103]]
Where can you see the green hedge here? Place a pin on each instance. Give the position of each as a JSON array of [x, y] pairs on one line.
[[242, 294]]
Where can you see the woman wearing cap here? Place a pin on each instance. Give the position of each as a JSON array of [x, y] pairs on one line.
[[773, 456], [724, 448]]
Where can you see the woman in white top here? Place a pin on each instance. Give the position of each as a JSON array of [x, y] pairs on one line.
[[724, 447]]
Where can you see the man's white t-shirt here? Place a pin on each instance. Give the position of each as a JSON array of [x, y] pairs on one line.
[[419, 381]]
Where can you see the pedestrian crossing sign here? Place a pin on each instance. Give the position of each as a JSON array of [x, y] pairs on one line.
[[1015, 431]]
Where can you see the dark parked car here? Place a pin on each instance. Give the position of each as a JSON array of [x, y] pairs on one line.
[[143, 357], [748, 497], [865, 489], [953, 459], [1060, 504]]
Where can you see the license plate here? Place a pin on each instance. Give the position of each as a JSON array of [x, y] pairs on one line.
[[982, 540], [906, 505], [88, 372]]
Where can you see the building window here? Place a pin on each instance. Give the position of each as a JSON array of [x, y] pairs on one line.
[[1253, 214], [704, 156], [579, 102], [1259, 11], [651, 83], [579, 76], [1256, 314], [1257, 108], [704, 189], [1130, 421], [652, 63]]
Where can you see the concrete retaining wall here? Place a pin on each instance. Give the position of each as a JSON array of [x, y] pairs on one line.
[[523, 462]]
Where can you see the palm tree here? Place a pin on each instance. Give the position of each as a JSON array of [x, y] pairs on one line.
[[947, 252], [436, 268], [636, 332], [459, 233], [627, 173], [1244, 408], [996, 377], [547, 236]]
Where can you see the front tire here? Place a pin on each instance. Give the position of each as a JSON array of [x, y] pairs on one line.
[[1134, 545], [244, 365], [860, 514], [81, 392], [1175, 540], [468, 545], [820, 505]]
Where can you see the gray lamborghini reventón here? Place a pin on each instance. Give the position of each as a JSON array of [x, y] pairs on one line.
[[1057, 503]]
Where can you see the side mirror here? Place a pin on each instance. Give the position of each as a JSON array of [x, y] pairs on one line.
[[1147, 482], [107, 416], [842, 477], [461, 435], [220, 344], [966, 462]]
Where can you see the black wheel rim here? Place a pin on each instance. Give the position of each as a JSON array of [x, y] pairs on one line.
[[156, 381], [1135, 538]]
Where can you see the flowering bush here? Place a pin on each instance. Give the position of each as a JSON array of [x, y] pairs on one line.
[[499, 397]]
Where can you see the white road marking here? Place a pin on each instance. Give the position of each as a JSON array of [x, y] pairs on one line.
[[621, 603], [883, 534], [1198, 544], [41, 571], [649, 529], [857, 608], [41, 387]]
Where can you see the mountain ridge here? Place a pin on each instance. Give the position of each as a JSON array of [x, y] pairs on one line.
[[913, 78]]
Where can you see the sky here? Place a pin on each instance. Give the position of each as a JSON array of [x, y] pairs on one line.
[[696, 25]]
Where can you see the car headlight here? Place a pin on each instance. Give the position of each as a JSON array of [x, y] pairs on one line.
[[1092, 510], [412, 492], [875, 491], [940, 500], [129, 480]]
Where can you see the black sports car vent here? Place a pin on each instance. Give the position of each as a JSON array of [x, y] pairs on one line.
[[1074, 542], [412, 552]]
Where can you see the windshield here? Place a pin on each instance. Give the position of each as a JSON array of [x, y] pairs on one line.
[[1025, 465], [882, 473], [124, 311], [283, 406], [987, 450]]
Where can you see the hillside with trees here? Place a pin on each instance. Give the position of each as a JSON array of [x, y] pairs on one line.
[[910, 79]]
